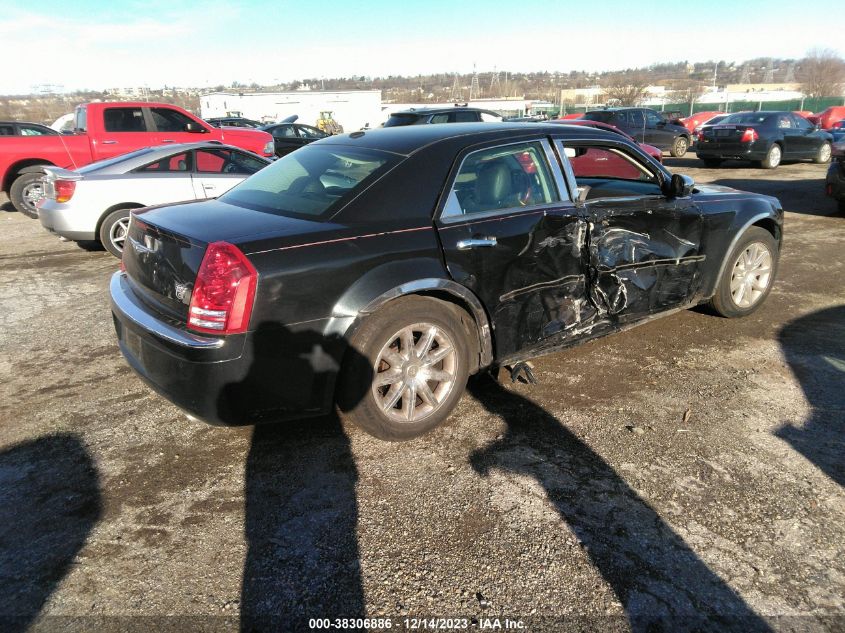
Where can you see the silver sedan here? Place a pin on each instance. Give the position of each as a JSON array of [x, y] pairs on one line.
[[92, 204]]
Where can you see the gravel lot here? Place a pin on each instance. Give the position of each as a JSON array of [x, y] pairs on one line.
[[692, 466]]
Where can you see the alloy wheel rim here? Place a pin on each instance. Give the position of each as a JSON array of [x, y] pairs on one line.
[[825, 154], [31, 194], [681, 146], [117, 233], [751, 275], [774, 155], [415, 372]]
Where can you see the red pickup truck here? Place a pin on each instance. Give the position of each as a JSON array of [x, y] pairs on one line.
[[104, 130]]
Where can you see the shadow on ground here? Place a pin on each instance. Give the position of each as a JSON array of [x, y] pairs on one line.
[[814, 346], [662, 584], [301, 504], [49, 503]]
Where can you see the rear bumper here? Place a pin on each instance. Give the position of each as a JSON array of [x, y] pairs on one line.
[[726, 151], [66, 221], [260, 376], [835, 182]]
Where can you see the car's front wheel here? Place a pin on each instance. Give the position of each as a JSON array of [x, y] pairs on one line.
[[823, 155], [679, 147], [406, 368], [748, 275]]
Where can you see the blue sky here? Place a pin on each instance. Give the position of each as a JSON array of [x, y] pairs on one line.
[[108, 43]]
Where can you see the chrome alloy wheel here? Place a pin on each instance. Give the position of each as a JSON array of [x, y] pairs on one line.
[[775, 155], [31, 194], [117, 233], [415, 372], [752, 274], [824, 153]]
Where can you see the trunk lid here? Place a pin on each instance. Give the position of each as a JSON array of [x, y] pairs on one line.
[[166, 245]]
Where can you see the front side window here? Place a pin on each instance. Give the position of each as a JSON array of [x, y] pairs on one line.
[[124, 120], [284, 131], [32, 131], [311, 182], [635, 119], [439, 118], [653, 119], [310, 132], [610, 172], [505, 177], [168, 120], [784, 122], [801, 123]]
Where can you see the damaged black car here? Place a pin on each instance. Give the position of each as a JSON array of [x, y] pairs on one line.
[[375, 271]]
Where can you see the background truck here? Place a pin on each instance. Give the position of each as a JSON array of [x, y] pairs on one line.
[[104, 130]]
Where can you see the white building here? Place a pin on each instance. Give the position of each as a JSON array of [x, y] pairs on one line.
[[353, 109]]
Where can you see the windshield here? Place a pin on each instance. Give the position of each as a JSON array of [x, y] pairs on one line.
[[312, 182], [108, 162], [746, 118]]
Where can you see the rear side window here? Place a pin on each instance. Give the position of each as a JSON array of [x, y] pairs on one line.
[[310, 132], [505, 177], [177, 163], [226, 161], [168, 120], [7, 130], [124, 120], [601, 117], [439, 118], [462, 116], [284, 131], [311, 182]]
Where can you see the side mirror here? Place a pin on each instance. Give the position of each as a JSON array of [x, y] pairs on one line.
[[679, 186], [195, 128]]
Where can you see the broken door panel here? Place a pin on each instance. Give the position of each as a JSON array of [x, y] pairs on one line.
[[645, 254]]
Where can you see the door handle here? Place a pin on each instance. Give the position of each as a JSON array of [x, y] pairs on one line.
[[209, 186], [109, 142], [167, 140], [476, 242]]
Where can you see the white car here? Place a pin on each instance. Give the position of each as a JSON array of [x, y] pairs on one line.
[[92, 204]]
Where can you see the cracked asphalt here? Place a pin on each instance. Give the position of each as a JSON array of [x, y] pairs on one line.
[[689, 470]]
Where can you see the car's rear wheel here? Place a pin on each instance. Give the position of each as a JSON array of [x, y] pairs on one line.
[[679, 147], [823, 155], [748, 275], [406, 368], [773, 157], [25, 193], [712, 162], [113, 231]]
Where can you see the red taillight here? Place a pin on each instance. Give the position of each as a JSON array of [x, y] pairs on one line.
[[749, 136], [64, 190], [221, 302]]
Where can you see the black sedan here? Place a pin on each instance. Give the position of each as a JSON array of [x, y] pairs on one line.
[[288, 137], [646, 126], [765, 138], [377, 270]]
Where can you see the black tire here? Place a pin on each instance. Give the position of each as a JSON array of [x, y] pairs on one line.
[[22, 193], [773, 157], [357, 398], [723, 301], [711, 162], [823, 155], [679, 147], [113, 231]]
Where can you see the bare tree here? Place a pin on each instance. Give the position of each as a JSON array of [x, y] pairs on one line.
[[628, 88], [822, 73], [686, 91]]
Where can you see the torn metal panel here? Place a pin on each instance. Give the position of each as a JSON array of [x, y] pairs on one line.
[[643, 260]]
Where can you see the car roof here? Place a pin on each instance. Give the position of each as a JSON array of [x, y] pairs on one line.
[[157, 153], [440, 110], [408, 139]]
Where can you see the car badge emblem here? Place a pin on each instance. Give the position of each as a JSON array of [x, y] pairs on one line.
[[183, 293]]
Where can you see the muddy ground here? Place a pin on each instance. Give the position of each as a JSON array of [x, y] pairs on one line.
[[592, 499]]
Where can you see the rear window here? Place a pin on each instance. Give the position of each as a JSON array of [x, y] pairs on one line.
[[312, 182], [748, 118], [396, 120], [602, 117]]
